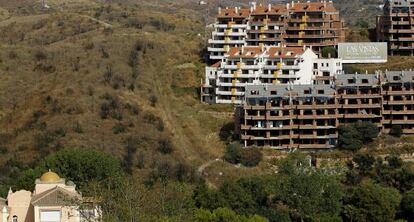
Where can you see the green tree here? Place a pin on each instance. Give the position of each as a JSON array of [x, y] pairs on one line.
[[396, 131], [371, 202], [362, 23], [367, 131], [407, 205], [225, 215], [329, 51], [349, 138], [232, 154], [365, 163], [81, 166], [323, 200]]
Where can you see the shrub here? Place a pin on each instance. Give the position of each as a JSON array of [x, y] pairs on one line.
[[40, 55], [105, 110], [362, 23], [3, 150], [329, 51], [108, 74], [78, 128], [407, 205], [232, 154], [165, 146], [250, 157], [396, 131], [153, 100], [119, 128]]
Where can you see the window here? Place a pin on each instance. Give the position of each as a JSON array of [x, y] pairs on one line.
[[351, 81], [15, 218], [396, 78], [364, 81], [321, 91], [315, 65], [274, 92], [307, 91], [49, 216], [253, 92]]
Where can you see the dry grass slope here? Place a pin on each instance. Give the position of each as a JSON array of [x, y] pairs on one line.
[[121, 78]]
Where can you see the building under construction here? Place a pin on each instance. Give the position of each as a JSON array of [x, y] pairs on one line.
[[294, 24], [308, 116], [396, 26]]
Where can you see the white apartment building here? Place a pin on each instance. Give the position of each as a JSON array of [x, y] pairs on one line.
[[229, 31], [225, 81]]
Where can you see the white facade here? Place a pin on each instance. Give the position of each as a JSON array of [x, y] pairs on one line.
[[226, 82]]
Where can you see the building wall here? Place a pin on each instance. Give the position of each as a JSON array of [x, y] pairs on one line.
[[396, 26], [280, 25], [19, 205], [227, 82], [307, 116], [68, 214], [305, 72]]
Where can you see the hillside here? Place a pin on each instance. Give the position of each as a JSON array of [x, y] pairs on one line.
[[122, 78]]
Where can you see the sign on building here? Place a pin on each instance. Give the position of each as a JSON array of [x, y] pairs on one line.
[[363, 52]]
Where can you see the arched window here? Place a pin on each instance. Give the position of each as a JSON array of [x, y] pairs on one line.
[[15, 218]]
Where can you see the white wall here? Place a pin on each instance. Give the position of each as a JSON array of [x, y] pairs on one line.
[[305, 73]]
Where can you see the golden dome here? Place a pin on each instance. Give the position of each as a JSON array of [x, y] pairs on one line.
[[50, 177]]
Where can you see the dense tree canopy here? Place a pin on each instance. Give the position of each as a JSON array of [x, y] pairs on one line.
[[371, 202], [81, 166]]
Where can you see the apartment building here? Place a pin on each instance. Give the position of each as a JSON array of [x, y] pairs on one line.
[[396, 26], [294, 24], [308, 116], [254, 65], [229, 31]]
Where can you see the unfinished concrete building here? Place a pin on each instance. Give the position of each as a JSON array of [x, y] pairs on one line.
[[315, 24], [396, 26], [307, 116], [398, 101], [294, 24]]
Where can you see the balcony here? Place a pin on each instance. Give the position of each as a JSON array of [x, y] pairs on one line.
[[227, 33], [400, 112], [361, 116], [211, 49], [356, 106], [216, 57], [399, 102], [307, 36], [398, 121], [357, 96], [314, 146]]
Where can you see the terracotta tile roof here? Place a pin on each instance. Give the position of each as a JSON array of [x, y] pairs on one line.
[[245, 52], [313, 6], [292, 52], [233, 13], [216, 65], [274, 10], [271, 52]]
